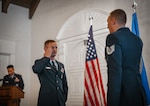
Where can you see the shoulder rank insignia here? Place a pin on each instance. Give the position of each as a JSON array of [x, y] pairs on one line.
[[110, 49]]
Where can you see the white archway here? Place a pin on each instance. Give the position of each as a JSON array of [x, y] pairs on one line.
[[72, 49], [79, 23]]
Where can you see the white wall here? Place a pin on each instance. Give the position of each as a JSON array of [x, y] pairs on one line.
[[15, 26], [46, 23]]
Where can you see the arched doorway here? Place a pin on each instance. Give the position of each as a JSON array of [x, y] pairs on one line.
[[72, 49]]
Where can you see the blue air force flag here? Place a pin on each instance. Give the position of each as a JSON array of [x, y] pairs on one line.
[[135, 30]]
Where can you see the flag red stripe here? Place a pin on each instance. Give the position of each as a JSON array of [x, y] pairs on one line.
[[85, 101], [89, 95], [95, 74], [91, 82], [101, 83]]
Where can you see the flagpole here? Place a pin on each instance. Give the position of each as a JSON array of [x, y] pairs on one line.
[[134, 5], [91, 20]]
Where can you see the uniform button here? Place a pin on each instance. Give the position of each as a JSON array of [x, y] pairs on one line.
[[57, 87], [56, 81]]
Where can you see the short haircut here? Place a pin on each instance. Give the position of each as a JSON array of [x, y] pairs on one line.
[[119, 15], [10, 66], [48, 41]]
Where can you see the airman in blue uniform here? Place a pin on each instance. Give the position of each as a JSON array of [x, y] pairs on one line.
[[123, 55], [52, 77], [13, 79]]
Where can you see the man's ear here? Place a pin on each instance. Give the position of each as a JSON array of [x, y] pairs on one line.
[[45, 48], [113, 20]]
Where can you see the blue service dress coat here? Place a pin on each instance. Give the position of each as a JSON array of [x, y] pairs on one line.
[[123, 55], [10, 81], [54, 88]]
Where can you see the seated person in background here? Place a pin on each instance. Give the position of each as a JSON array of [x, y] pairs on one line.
[[12, 78]]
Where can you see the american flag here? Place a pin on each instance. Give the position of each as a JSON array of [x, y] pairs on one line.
[[94, 94]]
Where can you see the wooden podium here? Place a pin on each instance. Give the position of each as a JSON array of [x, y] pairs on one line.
[[10, 95]]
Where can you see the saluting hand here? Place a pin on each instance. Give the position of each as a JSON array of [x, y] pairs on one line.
[[48, 50]]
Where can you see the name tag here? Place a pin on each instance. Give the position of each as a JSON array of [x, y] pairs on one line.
[[6, 81], [47, 67]]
